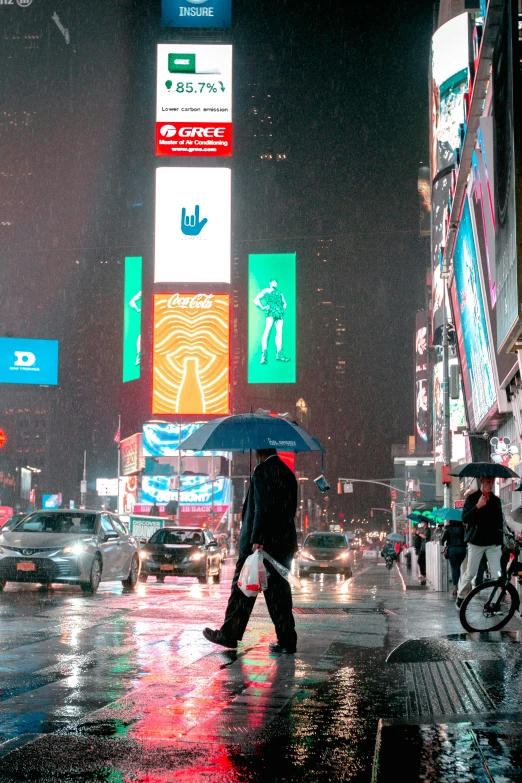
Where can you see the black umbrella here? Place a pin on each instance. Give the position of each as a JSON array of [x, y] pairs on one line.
[[488, 469]]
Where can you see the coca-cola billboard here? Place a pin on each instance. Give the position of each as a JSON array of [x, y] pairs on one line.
[[191, 354]]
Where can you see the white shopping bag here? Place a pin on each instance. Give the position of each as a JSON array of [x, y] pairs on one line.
[[252, 578]]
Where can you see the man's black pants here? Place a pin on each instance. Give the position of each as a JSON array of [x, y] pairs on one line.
[[278, 597]]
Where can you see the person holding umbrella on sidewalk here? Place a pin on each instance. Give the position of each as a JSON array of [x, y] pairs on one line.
[[268, 523], [482, 516]]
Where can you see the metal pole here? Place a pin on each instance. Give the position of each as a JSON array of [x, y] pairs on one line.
[[212, 498], [446, 399], [84, 480], [394, 516], [178, 511], [408, 509]]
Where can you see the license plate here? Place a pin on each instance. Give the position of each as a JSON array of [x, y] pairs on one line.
[[25, 567], [324, 565], [166, 567]]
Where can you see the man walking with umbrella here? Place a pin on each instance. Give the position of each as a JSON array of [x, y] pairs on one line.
[[268, 523], [482, 516]]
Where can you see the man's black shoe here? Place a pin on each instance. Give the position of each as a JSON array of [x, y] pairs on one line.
[[275, 647], [459, 602], [218, 638]]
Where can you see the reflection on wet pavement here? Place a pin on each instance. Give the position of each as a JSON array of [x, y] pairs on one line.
[[120, 687]]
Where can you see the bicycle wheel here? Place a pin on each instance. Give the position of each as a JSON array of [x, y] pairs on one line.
[[489, 607]]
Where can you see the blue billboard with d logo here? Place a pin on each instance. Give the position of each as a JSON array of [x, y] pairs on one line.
[[28, 361], [196, 13]]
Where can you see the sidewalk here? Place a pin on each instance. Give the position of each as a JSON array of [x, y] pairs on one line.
[[463, 720]]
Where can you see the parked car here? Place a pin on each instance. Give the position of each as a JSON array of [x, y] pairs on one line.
[[71, 547], [222, 540], [325, 552], [181, 551]]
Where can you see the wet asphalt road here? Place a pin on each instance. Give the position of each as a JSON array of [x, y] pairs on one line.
[[123, 687]]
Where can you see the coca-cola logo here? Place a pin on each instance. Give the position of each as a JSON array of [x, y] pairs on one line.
[[195, 302]]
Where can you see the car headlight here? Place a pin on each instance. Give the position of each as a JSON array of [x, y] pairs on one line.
[[306, 555], [75, 549], [197, 556], [342, 556], [144, 554]]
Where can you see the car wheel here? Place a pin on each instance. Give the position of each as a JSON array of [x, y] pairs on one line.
[[134, 573], [160, 579], [217, 577], [143, 577], [95, 577], [3, 583], [203, 580]]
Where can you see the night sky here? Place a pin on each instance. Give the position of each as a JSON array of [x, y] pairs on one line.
[[349, 106]]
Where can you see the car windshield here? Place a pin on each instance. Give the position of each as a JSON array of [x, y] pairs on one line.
[[188, 537], [58, 523], [326, 542]]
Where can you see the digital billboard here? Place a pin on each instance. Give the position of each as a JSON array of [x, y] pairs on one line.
[[471, 324], [193, 214], [271, 318], [28, 361], [457, 416], [451, 55], [195, 491], [194, 100], [162, 439], [421, 384], [196, 13], [191, 354], [505, 133], [132, 319]]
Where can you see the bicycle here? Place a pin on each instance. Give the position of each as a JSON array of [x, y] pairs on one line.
[[491, 605]]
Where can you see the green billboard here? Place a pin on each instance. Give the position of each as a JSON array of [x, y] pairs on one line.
[[271, 318], [132, 319]]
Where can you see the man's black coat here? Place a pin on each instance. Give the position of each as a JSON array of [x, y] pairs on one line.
[[269, 510]]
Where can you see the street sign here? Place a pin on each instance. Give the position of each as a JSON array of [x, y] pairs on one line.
[[83, 487]]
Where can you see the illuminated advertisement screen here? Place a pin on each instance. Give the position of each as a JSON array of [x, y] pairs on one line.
[[421, 383], [196, 13], [471, 324], [271, 318], [191, 354], [194, 100], [507, 276], [193, 214], [450, 77], [162, 439], [457, 416], [33, 362], [195, 491], [132, 319]]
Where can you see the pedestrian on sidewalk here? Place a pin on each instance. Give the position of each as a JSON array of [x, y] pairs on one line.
[[482, 516], [267, 524], [453, 538], [422, 536]]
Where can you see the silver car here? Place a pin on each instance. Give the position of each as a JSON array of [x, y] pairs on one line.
[[325, 553], [72, 547]]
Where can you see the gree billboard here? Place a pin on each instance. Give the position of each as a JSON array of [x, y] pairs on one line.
[[28, 361], [132, 319], [194, 100], [196, 13], [191, 354], [193, 214], [271, 318]]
